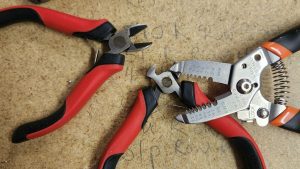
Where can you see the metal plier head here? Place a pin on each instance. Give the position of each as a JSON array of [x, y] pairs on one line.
[[121, 41], [166, 81], [244, 96]]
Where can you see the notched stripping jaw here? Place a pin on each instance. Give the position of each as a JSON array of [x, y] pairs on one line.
[[121, 41], [218, 72]]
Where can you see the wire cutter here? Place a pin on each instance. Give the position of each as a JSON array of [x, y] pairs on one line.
[[105, 66], [244, 79], [191, 95]]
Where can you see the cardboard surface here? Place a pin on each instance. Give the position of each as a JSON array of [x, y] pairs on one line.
[[37, 63]]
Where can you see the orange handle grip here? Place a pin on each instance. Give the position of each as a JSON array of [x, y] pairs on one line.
[[289, 119]]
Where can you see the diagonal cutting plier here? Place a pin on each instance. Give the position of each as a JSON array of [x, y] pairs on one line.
[[244, 79], [191, 95], [105, 66]]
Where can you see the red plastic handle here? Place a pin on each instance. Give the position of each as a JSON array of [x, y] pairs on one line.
[[74, 102], [228, 127], [126, 134], [80, 95], [62, 22]]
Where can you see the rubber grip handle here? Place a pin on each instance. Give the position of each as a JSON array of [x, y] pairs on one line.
[[228, 127], [143, 107], [107, 65], [289, 119], [285, 44], [98, 30]]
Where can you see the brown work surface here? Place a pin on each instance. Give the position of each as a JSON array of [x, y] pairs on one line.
[[37, 63]]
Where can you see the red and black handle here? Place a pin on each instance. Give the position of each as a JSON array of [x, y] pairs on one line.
[[38, 1], [106, 66], [98, 30], [283, 46], [143, 107], [239, 138]]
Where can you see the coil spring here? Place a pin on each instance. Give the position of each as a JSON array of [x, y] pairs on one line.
[[280, 80]]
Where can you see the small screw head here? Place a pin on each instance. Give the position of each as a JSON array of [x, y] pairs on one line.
[[263, 113], [167, 82]]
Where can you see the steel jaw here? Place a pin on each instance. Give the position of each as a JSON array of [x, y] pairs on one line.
[[121, 41], [165, 81]]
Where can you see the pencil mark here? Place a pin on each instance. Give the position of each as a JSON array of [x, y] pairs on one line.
[[157, 32], [166, 51], [194, 52], [143, 56], [205, 30], [129, 155], [152, 155], [141, 3], [131, 75], [174, 123], [182, 150], [206, 148], [147, 127], [145, 35], [152, 129], [141, 150], [177, 32]]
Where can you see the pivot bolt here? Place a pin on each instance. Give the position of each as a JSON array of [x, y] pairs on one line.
[[263, 113], [244, 86], [167, 82]]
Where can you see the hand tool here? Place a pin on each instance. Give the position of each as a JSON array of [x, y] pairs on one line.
[[108, 64], [105, 66], [98, 30], [38, 1], [191, 95], [244, 79]]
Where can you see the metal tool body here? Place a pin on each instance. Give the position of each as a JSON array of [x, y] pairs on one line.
[[244, 79], [191, 95]]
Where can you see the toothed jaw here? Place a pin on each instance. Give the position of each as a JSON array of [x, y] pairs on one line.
[[182, 118]]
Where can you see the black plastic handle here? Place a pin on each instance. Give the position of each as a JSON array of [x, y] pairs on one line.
[[238, 137], [285, 44], [38, 1], [289, 39], [106, 66], [293, 124], [98, 30]]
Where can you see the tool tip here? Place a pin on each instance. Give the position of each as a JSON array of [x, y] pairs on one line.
[[135, 29], [182, 118]]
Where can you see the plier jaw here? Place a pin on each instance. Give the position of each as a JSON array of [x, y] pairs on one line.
[[165, 81], [121, 41], [244, 97]]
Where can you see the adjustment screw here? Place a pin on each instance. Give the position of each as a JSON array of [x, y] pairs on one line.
[[263, 113]]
